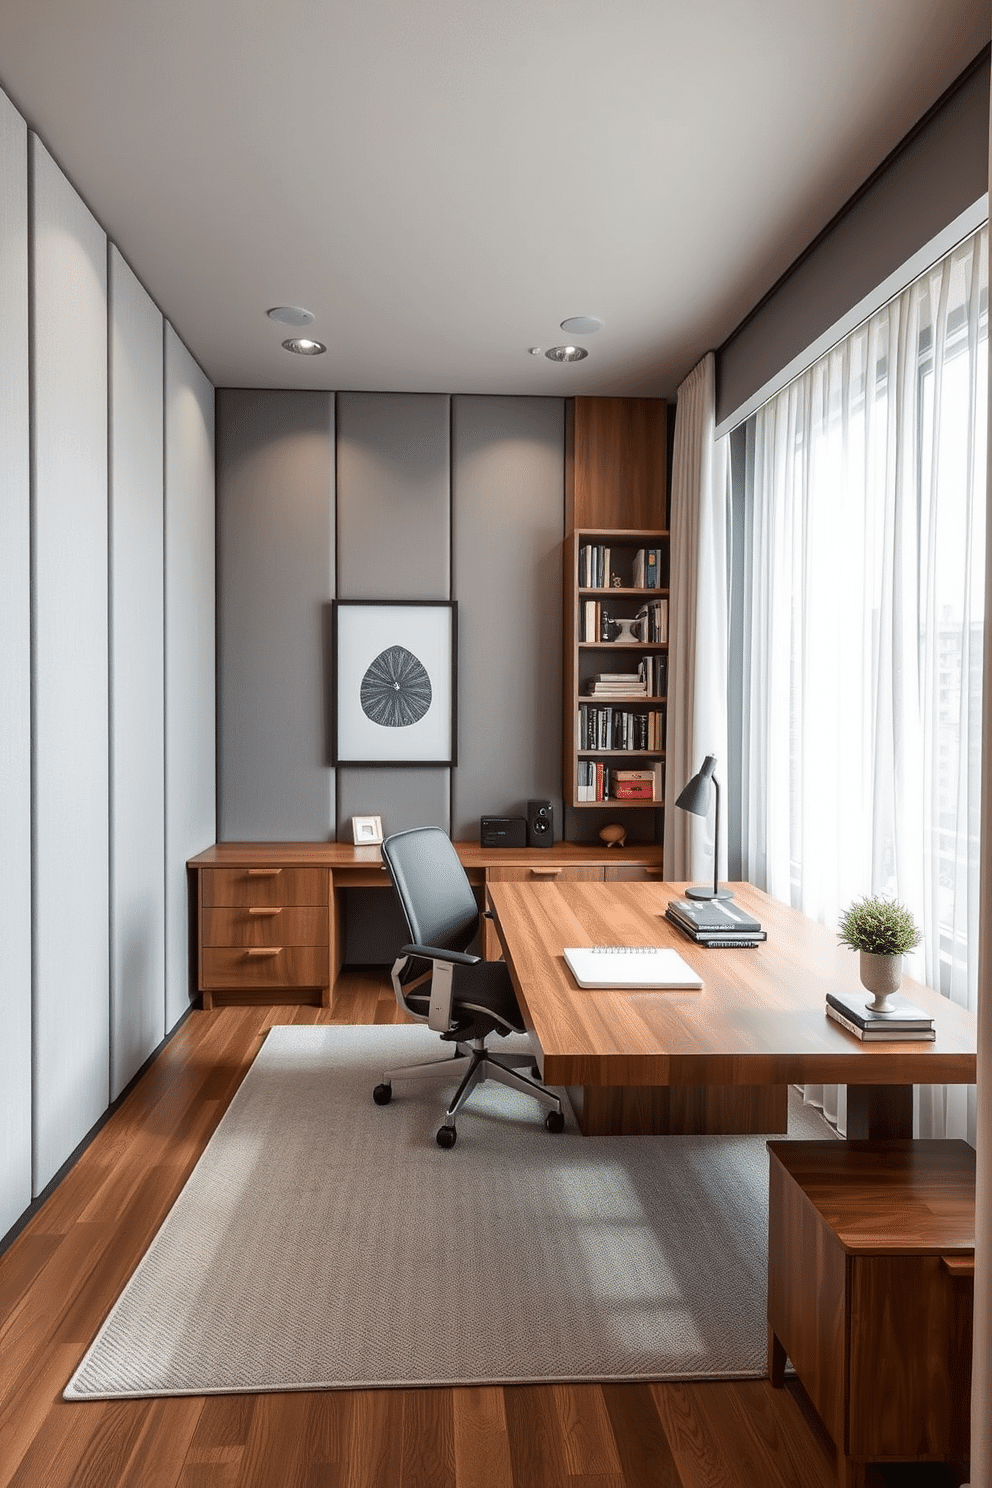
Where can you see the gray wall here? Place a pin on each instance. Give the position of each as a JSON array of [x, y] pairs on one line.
[[430, 497], [91, 418], [942, 170]]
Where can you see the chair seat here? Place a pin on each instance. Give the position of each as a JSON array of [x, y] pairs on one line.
[[478, 990]]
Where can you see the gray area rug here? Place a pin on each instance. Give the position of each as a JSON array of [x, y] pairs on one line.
[[324, 1242]]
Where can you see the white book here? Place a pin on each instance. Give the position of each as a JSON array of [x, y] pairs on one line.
[[630, 967]]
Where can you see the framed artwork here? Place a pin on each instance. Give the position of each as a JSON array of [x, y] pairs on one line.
[[366, 830], [394, 682]]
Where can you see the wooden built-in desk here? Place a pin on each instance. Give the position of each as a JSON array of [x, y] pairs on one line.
[[719, 1059], [269, 913]]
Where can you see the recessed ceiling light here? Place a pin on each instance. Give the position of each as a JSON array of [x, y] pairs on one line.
[[303, 346], [536, 350], [293, 315], [566, 353], [581, 325]]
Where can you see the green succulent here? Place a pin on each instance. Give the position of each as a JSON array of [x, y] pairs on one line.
[[879, 926]]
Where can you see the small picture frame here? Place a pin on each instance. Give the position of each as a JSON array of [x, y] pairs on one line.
[[366, 831]]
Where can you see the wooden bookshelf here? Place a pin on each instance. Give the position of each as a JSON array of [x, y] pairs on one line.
[[586, 656]]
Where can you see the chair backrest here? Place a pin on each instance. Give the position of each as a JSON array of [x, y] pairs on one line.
[[433, 888]]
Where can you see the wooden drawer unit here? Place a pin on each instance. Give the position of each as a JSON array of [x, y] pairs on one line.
[[265, 925], [547, 872], [235, 968], [265, 929], [871, 1291], [263, 886]]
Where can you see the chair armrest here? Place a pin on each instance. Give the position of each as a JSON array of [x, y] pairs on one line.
[[438, 953]]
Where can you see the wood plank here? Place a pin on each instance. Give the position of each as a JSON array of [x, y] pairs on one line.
[[481, 1438]]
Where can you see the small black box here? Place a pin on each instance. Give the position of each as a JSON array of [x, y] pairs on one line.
[[503, 831]]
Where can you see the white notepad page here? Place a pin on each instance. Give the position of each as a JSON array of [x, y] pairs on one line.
[[629, 966]]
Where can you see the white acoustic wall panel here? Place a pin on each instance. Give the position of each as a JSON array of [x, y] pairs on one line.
[[15, 675], [137, 678], [190, 709], [71, 870]]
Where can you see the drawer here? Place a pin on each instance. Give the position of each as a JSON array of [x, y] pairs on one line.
[[265, 925], [262, 886], [633, 873], [546, 873], [232, 967]]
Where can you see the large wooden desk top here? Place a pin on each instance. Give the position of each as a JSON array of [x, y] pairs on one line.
[[759, 1018]]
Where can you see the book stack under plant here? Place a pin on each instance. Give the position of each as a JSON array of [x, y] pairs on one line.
[[901, 1022]]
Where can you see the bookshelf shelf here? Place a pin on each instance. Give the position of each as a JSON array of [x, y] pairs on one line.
[[612, 733]]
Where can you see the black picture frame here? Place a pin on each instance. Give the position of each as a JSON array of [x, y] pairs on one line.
[[394, 683]]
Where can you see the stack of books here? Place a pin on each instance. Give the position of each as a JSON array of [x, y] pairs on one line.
[[900, 1023], [715, 922], [617, 685]]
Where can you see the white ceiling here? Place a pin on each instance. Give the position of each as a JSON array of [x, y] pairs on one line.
[[443, 181]]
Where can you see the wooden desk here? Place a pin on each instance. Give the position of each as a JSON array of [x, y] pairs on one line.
[[268, 914], [703, 1061]]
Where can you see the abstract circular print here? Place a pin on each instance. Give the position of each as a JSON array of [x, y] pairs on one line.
[[396, 690]]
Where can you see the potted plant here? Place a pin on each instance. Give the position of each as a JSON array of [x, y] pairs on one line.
[[882, 931]]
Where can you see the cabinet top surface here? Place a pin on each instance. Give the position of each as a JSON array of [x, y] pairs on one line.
[[888, 1197], [347, 855]]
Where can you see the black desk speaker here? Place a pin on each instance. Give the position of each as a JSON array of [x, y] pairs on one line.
[[540, 824]]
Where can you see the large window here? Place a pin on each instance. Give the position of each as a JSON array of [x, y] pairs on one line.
[[863, 590]]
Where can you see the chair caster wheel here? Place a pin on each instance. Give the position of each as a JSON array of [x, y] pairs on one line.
[[535, 1071], [382, 1095], [446, 1136], [555, 1121]]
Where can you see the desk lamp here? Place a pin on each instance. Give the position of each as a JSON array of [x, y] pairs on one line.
[[696, 798]]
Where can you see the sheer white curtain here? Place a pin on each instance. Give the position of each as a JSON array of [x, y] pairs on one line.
[[865, 547], [697, 624]]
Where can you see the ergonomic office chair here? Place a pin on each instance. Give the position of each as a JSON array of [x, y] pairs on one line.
[[462, 997]]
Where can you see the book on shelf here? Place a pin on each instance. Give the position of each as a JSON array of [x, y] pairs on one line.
[[653, 619], [886, 1033], [732, 939], [902, 1013], [713, 914], [647, 568], [633, 790]]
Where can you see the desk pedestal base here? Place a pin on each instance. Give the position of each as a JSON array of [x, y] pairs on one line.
[[679, 1110]]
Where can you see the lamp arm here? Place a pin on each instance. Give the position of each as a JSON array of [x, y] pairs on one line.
[[716, 841]]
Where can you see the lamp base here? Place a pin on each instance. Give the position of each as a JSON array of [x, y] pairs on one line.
[[700, 893]]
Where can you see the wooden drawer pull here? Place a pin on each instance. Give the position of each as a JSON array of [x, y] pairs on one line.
[[267, 951], [545, 872], [264, 872], [268, 912], [959, 1265]]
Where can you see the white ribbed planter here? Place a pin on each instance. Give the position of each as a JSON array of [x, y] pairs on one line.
[[882, 976]]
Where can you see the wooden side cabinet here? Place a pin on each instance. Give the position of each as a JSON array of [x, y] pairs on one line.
[[870, 1293], [264, 929]]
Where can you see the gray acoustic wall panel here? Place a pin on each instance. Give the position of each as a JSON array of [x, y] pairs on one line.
[[15, 675], [137, 678], [190, 708], [71, 868], [393, 542], [393, 496], [275, 580], [508, 503]]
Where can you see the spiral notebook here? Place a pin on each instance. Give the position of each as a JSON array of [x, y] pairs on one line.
[[630, 967]]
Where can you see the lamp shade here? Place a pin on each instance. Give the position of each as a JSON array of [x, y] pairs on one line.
[[698, 793]]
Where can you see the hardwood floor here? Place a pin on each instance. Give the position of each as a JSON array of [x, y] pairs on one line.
[[62, 1273]]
